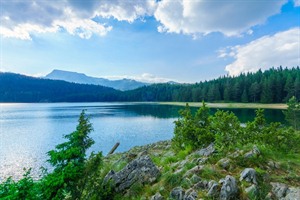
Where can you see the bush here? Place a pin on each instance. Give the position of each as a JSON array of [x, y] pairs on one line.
[[192, 131], [224, 128]]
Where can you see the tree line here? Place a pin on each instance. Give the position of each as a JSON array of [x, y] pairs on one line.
[[275, 85], [271, 86]]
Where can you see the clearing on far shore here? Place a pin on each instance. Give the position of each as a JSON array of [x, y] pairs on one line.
[[229, 105]]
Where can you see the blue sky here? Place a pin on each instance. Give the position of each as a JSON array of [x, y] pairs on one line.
[[148, 40]]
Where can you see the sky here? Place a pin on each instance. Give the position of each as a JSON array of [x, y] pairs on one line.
[[149, 40]]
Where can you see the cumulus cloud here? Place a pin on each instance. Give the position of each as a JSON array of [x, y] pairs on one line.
[[283, 48], [129, 10], [20, 19], [230, 17]]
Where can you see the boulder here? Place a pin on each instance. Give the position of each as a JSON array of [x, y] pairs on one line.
[[157, 196], [224, 163], [252, 190], [236, 154], [177, 193], [202, 160], [292, 193], [249, 175], [195, 170], [253, 153], [190, 194], [283, 192], [206, 151], [273, 165], [279, 190], [201, 185], [195, 179], [229, 188], [213, 189], [141, 170]]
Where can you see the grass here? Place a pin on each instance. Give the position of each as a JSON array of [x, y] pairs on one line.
[[229, 105], [170, 161]]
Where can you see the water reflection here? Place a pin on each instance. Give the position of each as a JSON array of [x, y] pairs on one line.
[[28, 131]]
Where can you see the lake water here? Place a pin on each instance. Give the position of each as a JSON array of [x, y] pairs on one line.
[[28, 131]]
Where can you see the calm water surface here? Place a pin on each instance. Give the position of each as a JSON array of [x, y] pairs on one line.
[[28, 131]]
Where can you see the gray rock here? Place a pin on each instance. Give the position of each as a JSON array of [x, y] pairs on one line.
[[273, 165], [213, 189], [195, 170], [292, 194], [253, 153], [201, 185], [252, 190], [279, 190], [206, 151], [190, 194], [229, 188], [157, 196], [177, 193], [269, 196], [143, 153], [201, 160], [224, 163], [141, 170], [249, 175], [182, 163], [195, 179], [236, 154]]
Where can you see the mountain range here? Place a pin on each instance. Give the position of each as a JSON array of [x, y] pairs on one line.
[[74, 77]]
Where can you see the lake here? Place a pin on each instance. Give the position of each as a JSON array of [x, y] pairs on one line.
[[28, 131]]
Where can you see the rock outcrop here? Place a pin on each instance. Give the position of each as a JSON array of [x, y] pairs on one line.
[[229, 188], [177, 193], [157, 196], [253, 153], [249, 175], [206, 151], [282, 191], [141, 170]]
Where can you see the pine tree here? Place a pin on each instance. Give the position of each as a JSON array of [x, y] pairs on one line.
[[244, 96], [292, 114], [297, 87], [68, 160], [254, 91], [289, 87]]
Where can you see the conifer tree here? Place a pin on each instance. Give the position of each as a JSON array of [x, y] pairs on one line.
[[292, 114], [68, 160]]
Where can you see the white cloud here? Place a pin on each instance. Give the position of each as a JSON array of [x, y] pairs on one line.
[[145, 77], [230, 17], [126, 10], [283, 48], [84, 28], [20, 19], [22, 31]]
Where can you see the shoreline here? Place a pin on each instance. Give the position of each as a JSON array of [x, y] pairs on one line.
[[279, 106]]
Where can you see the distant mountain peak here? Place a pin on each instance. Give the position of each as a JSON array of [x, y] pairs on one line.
[[75, 77]]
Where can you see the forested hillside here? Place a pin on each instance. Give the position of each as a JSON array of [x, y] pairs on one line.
[[20, 88], [270, 86]]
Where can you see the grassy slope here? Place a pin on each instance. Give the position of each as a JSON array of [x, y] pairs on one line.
[[174, 165], [229, 105]]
